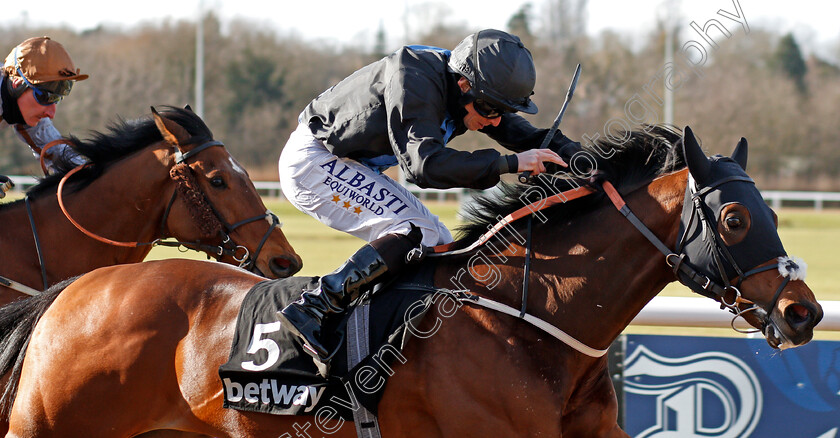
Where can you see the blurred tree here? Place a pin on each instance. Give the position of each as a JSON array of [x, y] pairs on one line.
[[565, 26], [259, 79], [380, 47], [788, 58], [254, 81], [519, 24], [433, 23]]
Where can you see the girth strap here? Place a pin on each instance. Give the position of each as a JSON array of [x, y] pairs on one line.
[[358, 347]]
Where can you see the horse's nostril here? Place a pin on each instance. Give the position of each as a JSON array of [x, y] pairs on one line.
[[280, 262], [797, 314], [282, 267]]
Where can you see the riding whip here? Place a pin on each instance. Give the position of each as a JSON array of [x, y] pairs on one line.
[[524, 176]]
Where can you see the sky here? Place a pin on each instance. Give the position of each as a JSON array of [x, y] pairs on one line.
[[814, 22]]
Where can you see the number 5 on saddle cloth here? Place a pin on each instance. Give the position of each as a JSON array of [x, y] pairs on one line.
[[268, 371]]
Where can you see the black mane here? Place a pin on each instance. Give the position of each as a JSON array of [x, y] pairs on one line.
[[122, 139], [647, 154]]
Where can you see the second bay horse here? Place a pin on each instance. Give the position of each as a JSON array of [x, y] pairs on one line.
[[134, 348], [136, 191]]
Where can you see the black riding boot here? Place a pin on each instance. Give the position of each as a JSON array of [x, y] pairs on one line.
[[337, 290]]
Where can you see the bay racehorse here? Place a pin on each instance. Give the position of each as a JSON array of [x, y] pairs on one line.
[[133, 348], [154, 178]]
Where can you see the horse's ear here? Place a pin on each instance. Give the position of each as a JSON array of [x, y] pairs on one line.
[[188, 108], [740, 154], [698, 163], [172, 132]]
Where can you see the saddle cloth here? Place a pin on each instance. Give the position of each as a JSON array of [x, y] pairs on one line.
[[268, 371]]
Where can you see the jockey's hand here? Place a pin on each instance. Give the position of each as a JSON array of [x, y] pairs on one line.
[[5, 185], [533, 160]]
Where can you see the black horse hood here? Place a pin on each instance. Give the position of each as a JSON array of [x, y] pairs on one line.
[[716, 183]]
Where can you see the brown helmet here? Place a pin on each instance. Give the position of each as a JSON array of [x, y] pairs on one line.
[[43, 65], [41, 60]]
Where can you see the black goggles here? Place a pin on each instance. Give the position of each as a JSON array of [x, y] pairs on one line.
[[486, 109], [48, 93]]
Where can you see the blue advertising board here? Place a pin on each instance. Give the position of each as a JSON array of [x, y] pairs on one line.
[[685, 387]]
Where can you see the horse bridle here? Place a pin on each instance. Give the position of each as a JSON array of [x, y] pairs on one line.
[[228, 246], [721, 256]]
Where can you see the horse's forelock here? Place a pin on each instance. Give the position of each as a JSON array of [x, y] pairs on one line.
[[189, 191]]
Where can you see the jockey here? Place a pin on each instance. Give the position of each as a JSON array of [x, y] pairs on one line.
[[402, 110], [38, 73]]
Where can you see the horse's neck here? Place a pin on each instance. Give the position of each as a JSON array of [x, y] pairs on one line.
[[592, 276], [622, 270], [117, 206]]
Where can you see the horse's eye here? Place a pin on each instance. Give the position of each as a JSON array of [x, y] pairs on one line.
[[734, 222], [218, 182]]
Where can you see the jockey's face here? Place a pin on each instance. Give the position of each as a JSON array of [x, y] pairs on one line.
[[33, 111], [473, 120]]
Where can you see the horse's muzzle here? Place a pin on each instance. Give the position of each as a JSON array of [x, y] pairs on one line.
[[792, 324]]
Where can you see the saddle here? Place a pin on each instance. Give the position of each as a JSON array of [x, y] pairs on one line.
[[268, 370]]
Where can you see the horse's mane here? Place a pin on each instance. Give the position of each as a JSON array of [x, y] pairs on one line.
[[645, 155], [124, 137]]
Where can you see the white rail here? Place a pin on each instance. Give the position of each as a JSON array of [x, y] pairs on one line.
[[777, 198], [703, 312], [272, 189]]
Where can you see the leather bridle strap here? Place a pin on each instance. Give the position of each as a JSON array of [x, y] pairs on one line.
[[42, 154], [181, 157], [274, 222], [677, 264], [622, 207], [59, 195], [711, 288], [559, 198], [228, 247], [527, 270], [37, 241], [672, 259]]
